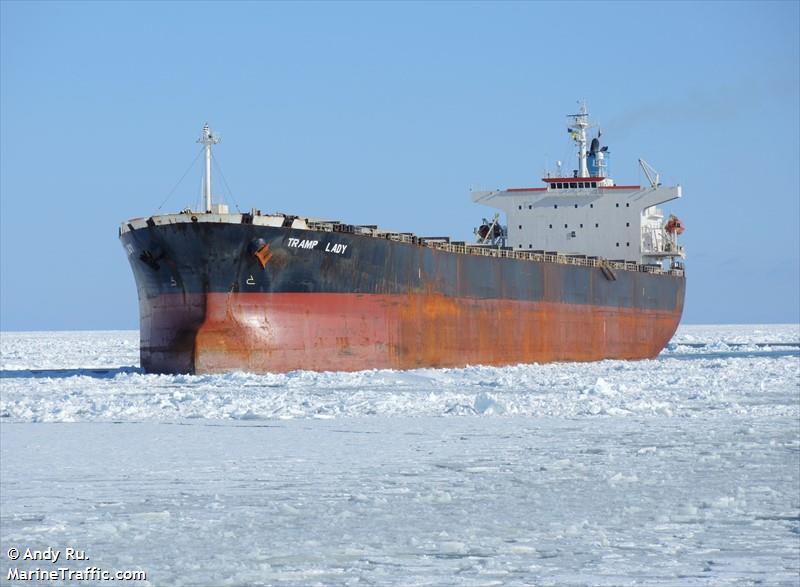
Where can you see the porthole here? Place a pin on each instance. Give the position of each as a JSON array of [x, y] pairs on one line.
[[576, 205], [627, 205], [565, 226], [617, 205], [555, 206], [627, 224], [581, 225], [597, 226], [617, 244], [551, 226]]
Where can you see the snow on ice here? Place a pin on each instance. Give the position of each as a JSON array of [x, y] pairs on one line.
[[683, 470]]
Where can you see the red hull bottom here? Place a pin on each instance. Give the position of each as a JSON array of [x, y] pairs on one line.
[[281, 332]]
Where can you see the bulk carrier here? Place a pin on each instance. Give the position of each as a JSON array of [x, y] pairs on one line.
[[584, 269]]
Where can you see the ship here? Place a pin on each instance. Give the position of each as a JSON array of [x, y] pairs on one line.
[[579, 269]]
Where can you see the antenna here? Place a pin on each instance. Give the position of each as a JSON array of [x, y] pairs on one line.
[[208, 138]]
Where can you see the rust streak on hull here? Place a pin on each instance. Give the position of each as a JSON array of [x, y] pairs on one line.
[[279, 332]]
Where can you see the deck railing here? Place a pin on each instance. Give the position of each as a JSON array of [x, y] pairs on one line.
[[444, 244]]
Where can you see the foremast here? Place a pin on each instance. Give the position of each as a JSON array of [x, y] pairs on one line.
[[207, 139]]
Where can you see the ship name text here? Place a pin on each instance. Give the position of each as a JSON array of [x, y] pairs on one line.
[[335, 248], [296, 243]]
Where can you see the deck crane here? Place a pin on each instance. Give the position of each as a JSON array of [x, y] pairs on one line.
[[652, 175]]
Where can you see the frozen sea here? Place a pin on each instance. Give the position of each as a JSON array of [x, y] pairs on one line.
[[680, 471]]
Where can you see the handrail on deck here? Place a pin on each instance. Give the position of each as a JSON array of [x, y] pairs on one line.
[[468, 249]]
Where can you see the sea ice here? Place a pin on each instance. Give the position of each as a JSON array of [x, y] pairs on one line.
[[683, 470]]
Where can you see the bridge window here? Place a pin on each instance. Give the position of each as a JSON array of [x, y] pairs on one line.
[[555, 205], [520, 227], [627, 244], [617, 204], [581, 225], [576, 205], [551, 226], [617, 244], [520, 206], [565, 226], [627, 205], [594, 184], [573, 184], [627, 224], [597, 226], [591, 205], [530, 207]]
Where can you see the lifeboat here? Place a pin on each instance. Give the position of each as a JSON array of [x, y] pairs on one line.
[[674, 225]]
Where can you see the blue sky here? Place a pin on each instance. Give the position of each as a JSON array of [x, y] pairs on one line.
[[388, 113]]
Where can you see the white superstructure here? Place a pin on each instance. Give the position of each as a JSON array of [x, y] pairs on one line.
[[587, 213]]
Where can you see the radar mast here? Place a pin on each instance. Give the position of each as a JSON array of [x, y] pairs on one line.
[[577, 130]]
